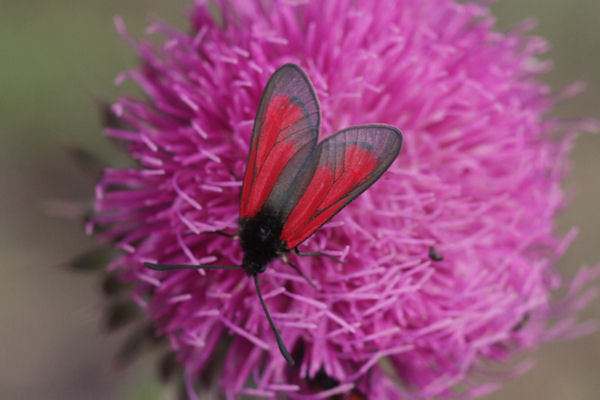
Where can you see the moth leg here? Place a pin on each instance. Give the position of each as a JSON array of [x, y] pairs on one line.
[[319, 253], [233, 175], [295, 267], [222, 233]]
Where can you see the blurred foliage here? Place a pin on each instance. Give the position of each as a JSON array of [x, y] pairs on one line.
[[58, 56]]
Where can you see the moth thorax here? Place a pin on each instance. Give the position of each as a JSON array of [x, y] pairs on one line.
[[260, 238]]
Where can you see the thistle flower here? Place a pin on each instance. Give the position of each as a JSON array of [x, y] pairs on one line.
[[450, 258]]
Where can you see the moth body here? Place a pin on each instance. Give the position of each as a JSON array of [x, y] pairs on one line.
[[260, 237]]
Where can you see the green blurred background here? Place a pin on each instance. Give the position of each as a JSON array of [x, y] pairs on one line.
[[54, 56]]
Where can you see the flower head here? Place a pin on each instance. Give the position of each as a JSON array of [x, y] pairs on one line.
[[449, 258]]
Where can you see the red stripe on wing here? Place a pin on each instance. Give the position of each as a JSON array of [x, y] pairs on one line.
[[327, 194], [270, 153]]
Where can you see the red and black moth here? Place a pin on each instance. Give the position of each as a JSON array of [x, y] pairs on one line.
[[293, 185]]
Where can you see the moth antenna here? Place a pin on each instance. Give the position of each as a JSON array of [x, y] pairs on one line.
[[284, 351], [169, 267]]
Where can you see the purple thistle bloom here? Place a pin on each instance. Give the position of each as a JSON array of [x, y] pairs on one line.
[[450, 257]]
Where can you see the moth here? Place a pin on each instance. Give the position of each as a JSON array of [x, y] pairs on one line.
[[293, 184]]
